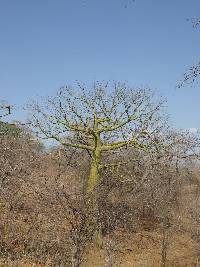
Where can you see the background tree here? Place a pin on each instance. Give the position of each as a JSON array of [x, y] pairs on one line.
[[107, 118], [193, 72], [5, 110], [5, 127]]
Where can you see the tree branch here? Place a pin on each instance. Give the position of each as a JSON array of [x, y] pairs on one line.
[[121, 144], [81, 146], [113, 128]]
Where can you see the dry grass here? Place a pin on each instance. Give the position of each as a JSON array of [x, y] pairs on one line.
[[143, 250]]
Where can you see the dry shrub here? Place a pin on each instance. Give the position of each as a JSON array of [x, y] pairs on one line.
[[43, 205]]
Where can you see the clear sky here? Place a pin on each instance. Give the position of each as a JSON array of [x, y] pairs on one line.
[[45, 44]]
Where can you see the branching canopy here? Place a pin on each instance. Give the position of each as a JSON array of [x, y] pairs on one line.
[[112, 115]]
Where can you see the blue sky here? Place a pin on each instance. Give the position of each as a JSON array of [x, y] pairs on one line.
[[45, 44]]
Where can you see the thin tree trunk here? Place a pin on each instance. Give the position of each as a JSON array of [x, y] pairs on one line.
[[165, 242]]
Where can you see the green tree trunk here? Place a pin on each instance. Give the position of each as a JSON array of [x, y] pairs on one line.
[[93, 177], [91, 196]]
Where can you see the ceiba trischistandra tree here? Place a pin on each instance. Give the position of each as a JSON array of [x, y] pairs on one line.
[[108, 117]]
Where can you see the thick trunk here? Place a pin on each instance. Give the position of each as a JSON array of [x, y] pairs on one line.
[[93, 177], [91, 196]]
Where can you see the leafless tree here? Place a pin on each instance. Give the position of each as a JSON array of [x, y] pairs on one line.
[[107, 118], [192, 74], [5, 110]]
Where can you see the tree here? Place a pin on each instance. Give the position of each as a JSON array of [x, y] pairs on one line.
[[191, 75], [5, 127], [9, 129], [105, 119], [193, 72], [5, 110]]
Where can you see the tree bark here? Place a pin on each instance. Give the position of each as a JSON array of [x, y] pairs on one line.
[[92, 194]]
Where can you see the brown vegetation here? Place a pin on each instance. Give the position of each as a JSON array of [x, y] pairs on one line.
[[148, 209]]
